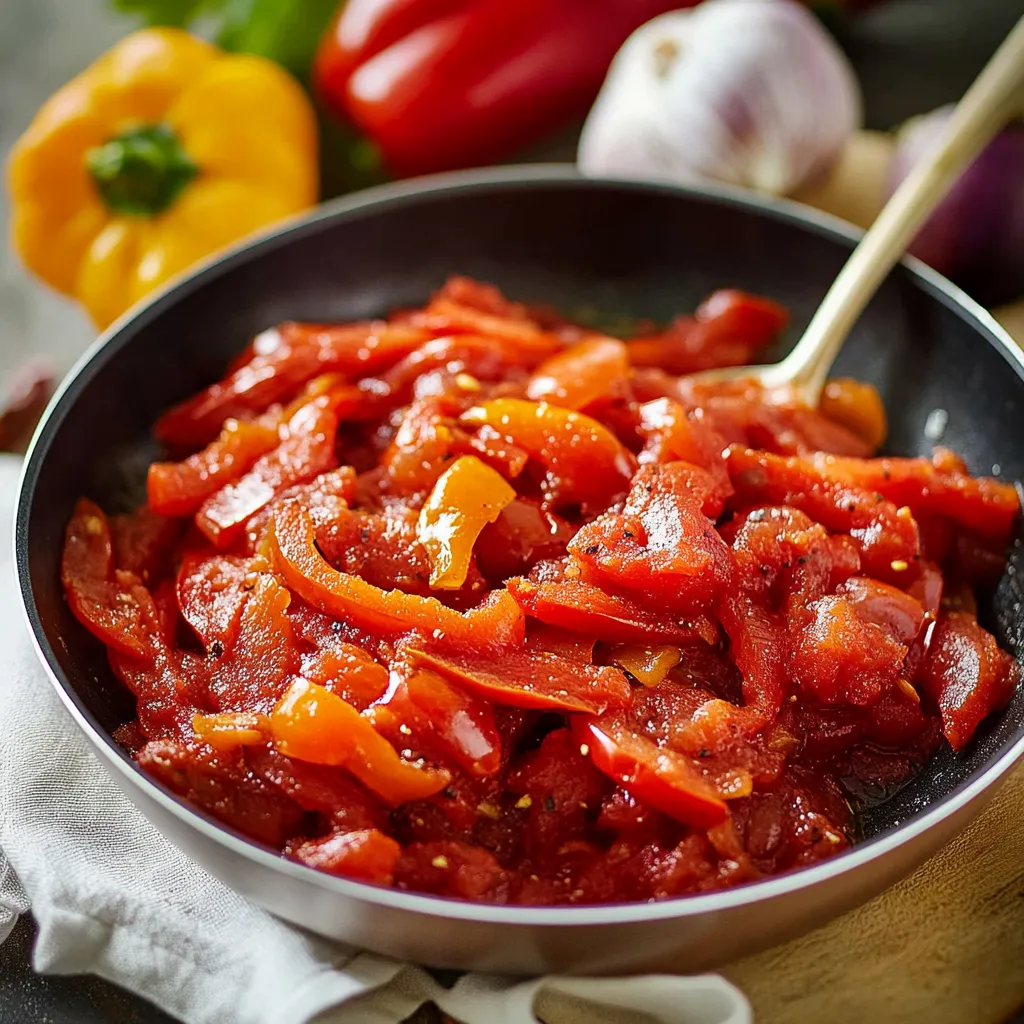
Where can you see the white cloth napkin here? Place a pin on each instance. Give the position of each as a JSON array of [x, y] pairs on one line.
[[112, 897]]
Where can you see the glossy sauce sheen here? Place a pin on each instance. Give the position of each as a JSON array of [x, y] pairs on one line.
[[479, 603]]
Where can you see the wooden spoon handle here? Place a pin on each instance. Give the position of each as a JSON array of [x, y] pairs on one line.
[[996, 96]]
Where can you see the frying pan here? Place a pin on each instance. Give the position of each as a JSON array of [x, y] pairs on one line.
[[604, 250]]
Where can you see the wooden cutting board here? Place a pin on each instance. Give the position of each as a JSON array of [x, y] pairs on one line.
[[946, 946]]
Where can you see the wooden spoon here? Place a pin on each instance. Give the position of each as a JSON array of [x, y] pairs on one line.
[[995, 98]]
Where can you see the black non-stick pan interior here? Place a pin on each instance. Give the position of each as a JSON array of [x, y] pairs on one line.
[[610, 251]]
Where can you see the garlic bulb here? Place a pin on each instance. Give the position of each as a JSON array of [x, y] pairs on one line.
[[749, 92]]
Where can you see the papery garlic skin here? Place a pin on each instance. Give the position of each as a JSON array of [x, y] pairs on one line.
[[748, 92]]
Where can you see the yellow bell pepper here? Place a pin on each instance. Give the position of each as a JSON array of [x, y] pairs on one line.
[[164, 151]]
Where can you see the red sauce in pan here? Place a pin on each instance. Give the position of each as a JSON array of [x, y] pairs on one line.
[[480, 603]]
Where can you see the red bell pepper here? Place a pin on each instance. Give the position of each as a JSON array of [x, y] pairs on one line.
[[441, 84]]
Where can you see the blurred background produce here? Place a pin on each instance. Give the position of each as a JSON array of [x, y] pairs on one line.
[[976, 237], [910, 57], [163, 151], [745, 92], [804, 102]]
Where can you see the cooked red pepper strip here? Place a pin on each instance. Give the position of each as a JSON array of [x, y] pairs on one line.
[[486, 359], [886, 537], [348, 671], [306, 451], [446, 316], [587, 609], [898, 613], [430, 437], [989, 506], [312, 724], [212, 590], [252, 672], [179, 488], [115, 607], [672, 434], [729, 328], [655, 775], [100, 602], [145, 542], [361, 604], [759, 647], [424, 710], [367, 855], [283, 360], [967, 675], [525, 678], [661, 545]]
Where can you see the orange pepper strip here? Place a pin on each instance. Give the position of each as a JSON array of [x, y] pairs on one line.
[[232, 729], [312, 724], [648, 664], [585, 462], [579, 375], [467, 496], [344, 596]]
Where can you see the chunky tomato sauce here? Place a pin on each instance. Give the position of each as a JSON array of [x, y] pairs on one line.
[[479, 603]]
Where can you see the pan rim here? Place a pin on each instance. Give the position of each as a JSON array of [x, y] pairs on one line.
[[382, 197]]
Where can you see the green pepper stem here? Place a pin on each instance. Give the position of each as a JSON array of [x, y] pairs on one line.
[[142, 171]]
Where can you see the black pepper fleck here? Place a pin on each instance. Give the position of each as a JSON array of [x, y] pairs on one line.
[[216, 649], [549, 803], [591, 549]]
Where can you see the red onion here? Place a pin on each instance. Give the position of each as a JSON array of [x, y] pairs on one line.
[[976, 236]]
